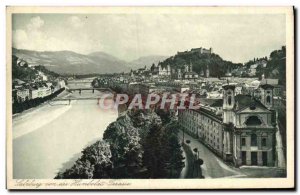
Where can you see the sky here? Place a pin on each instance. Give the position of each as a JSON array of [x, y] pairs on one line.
[[237, 38]]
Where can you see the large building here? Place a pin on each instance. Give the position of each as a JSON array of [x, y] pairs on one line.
[[159, 70], [189, 74], [238, 128]]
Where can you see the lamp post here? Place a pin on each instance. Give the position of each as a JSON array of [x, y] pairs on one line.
[[195, 160]]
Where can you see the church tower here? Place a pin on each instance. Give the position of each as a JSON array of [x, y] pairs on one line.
[[228, 103], [179, 74], [228, 120], [168, 70], [186, 68], [131, 73], [207, 71], [266, 97], [191, 66]]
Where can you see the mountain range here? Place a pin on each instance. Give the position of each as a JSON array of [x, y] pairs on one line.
[[68, 62]]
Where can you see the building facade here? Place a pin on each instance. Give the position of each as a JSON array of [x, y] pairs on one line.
[[241, 131]]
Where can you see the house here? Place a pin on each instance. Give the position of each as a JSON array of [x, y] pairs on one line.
[[252, 70], [33, 91], [23, 94], [17, 83], [21, 62]]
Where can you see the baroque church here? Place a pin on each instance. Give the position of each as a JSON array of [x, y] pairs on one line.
[[238, 128]]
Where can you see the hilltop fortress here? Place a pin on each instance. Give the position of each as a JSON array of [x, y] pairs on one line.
[[199, 50]]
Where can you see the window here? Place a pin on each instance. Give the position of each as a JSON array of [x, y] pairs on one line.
[[268, 99], [253, 121], [243, 141], [229, 100], [253, 140], [264, 141]]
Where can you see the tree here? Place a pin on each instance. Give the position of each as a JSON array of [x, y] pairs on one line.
[[174, 153], [154, 159], [125, 147], [94, 163], [162, 152]]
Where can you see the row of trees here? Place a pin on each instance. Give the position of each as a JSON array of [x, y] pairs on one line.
[[162, 152]]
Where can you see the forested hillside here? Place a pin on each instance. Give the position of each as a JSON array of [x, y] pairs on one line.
[[217, 66]]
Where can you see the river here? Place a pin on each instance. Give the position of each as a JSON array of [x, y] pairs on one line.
[[50, 137]]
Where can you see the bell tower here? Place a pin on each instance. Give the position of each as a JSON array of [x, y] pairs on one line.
[[266, 98], [207, 71], [228, 103], [228, 120], [191, 66]]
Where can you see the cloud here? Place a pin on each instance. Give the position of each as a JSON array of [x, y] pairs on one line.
[[130, 36], [75, 22], [19, 37], [35, 23], [49, 36], [33, 37]]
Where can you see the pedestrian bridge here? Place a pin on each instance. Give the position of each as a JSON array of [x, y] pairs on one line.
[[89, 89], [83, 94]]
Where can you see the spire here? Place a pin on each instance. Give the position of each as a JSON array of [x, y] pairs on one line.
[[191, 66]]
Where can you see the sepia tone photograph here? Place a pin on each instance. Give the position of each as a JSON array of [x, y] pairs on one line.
[[150, 97]]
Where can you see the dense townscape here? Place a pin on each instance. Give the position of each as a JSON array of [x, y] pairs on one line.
[[32, 85], [242, 114], [241, 119]]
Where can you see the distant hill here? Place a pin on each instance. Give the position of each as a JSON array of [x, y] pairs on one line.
[[68, 62], [217, 66], [146, 61]]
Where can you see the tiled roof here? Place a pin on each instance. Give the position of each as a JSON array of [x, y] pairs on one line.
[[228, 87], [212, 102], [243, 101], [267, 86]]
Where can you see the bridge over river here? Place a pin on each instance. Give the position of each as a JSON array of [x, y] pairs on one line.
[[50, 137]]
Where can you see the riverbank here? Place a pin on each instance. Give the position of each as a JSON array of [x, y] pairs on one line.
[[33, 103], [55, 133], [37, 118]]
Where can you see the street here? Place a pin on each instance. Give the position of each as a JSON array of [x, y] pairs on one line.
[[213, 167]]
